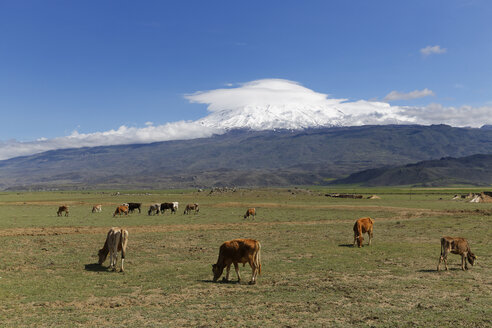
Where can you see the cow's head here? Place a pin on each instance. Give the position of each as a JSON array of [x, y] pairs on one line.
[[360, 239], [103, 253], [471, 258], [217, 271]]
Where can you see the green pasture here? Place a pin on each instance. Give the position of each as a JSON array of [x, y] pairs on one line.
[[311, 274]]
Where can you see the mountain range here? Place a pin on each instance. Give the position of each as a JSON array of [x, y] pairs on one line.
[[244, 157], [447, 171]]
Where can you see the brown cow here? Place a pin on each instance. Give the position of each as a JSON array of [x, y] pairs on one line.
[[116, 241], [362, 226], [238, 251], [122, 209], [250, 212], [97, 208], [62, 209], [456, 245], [191, 207]]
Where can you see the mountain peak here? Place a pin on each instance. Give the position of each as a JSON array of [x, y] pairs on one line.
[[282, 104]]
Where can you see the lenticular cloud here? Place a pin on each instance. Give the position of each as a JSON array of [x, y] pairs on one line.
[[263, 105]]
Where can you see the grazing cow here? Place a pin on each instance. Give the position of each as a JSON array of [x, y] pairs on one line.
[[191, 207], [154, 209], [167, 206], [116, 241], [456, 245], [134, 206], [362, 226], [122, 209], [238, 251], [250, 212], [62, 209], [97, 208]]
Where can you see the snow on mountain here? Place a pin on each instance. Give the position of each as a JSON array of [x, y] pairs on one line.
[[274, 103]]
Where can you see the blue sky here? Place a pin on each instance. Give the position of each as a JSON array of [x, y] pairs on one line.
[[92, 66]]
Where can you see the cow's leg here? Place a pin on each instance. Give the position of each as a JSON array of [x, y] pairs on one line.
[[446, 259], [370, 237], [122, 260], [236, 267], [355, 239], [254, 272], [115, 259], [464, 266], [110, 259], [228, 270]]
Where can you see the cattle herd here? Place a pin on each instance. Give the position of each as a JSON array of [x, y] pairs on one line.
[[242, 251]]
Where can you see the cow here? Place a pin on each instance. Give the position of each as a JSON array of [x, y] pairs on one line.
[[97, 208], [116, 241], [191, 207], [250, 212], [62, 209], [134, 206], [122, 209], [456, 245], [362, 226], [154, 209], [238, 251], [167, 206]]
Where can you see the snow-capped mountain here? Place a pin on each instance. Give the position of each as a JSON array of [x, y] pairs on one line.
[[280, 104], [271, 117]]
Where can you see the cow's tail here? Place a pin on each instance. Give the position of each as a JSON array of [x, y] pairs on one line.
[[123, 242], [257, 258]]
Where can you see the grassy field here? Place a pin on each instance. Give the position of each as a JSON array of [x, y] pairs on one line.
[[311, 275]]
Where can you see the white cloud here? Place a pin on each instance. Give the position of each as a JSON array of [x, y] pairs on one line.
[[395, 95], [264, 92], [464, 116], [123, 135], [433, 50]]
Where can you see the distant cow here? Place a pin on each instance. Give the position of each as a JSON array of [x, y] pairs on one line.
[[62, 209], [154, 209], [362, 226], [191, 207], [238, 251], [116, 241], [97, 208], [250, 212], [456, 245], [122, 209], [134, 206], [167, 206]]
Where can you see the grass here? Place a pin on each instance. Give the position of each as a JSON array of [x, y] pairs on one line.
[[311, 275]]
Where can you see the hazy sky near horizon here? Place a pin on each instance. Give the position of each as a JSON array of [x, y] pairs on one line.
[[96, 66]]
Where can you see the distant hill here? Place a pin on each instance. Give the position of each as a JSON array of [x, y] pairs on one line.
[[244, 158], [471, 170]]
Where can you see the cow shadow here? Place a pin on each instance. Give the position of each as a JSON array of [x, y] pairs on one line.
[[442, 270], [95, 267], [232, 282], [346, 245]]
